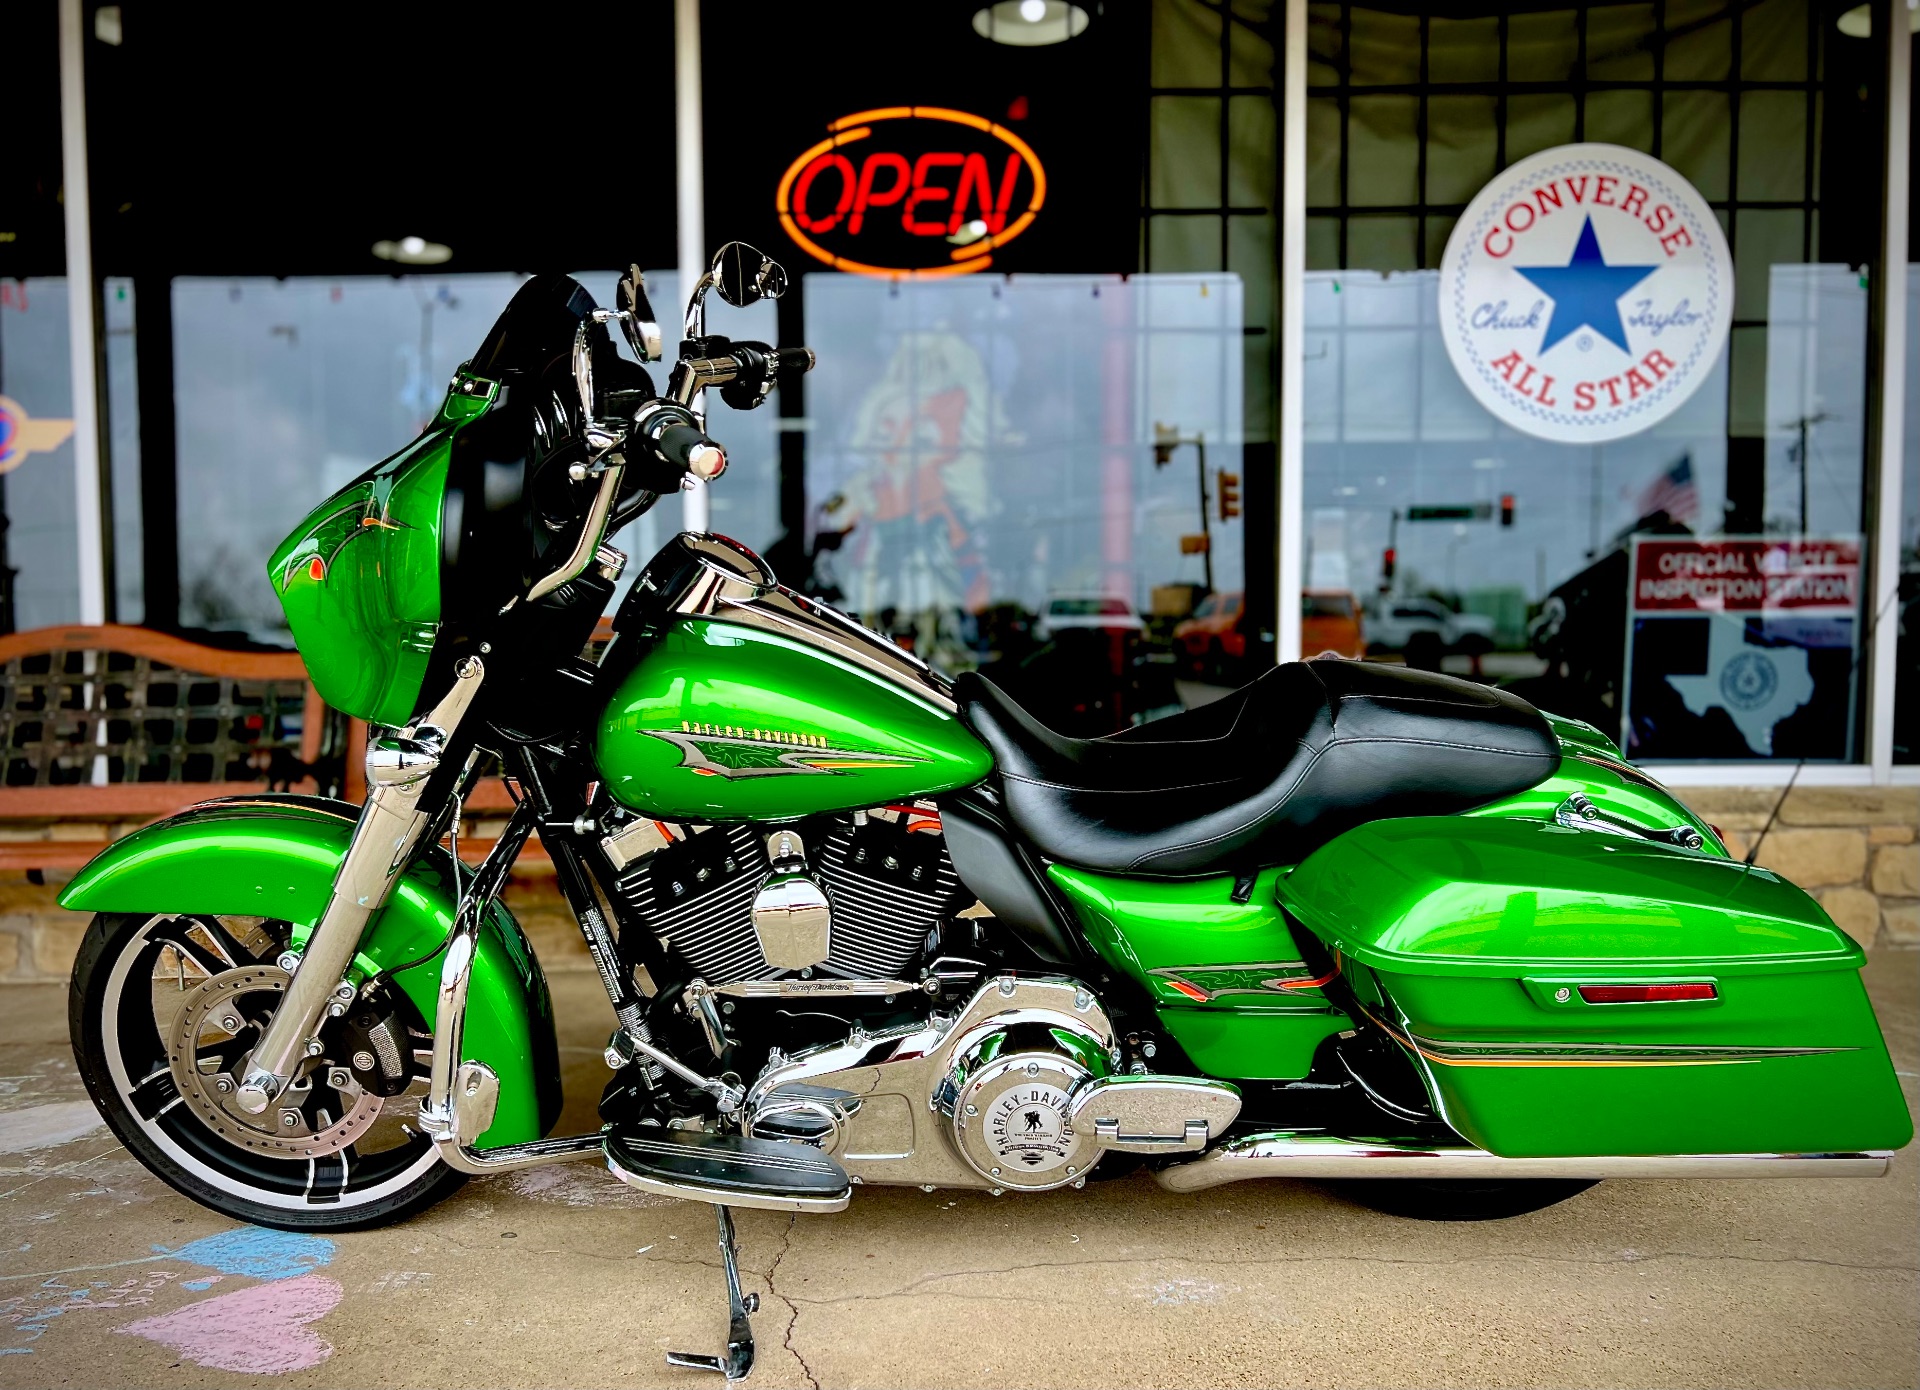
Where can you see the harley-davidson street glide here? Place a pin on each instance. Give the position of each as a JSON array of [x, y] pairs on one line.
[[861, 924]]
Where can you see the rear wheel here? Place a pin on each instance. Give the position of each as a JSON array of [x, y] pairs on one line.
[[161, 1009], [1459, 1199]]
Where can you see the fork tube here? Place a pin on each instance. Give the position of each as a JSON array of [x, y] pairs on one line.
[[399, 770], [456, 967]]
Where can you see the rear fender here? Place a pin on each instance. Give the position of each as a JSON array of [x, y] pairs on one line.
[[276, 856]]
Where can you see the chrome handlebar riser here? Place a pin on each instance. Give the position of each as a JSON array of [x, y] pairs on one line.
[[592, 533], [398, 770]]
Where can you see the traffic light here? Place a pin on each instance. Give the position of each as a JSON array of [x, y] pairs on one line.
[[1229, 495], [1386, 566], [1506, 509], [1166, 438]]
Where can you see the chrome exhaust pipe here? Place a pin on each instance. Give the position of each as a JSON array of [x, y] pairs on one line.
[[1289, 1155]]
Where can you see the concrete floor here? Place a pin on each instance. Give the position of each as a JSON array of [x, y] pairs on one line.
[[562, 1277]]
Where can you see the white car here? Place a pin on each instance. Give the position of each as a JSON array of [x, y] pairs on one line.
[[1103, 611], [1394, 624]]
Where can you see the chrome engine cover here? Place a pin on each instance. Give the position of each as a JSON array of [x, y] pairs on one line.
[[899, 1112], [792, 919], [1012, 1116]]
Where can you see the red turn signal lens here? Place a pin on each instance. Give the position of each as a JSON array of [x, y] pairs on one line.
[[1648, 994]]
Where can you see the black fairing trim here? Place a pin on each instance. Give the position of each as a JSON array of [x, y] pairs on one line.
[[537, 326], [1266, 775], [511, 510], [991, 865]]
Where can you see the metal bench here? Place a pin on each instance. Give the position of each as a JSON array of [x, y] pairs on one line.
[[107, 728]]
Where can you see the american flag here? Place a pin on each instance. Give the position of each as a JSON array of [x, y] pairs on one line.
[[1672, 492]]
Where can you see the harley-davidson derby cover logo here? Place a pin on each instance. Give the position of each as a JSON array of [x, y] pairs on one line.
[[1586, 293]]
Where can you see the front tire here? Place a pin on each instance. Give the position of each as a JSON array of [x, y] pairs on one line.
[[123, 1010], [1459, 1199]]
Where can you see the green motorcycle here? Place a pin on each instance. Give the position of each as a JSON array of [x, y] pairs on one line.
[[860, 924]]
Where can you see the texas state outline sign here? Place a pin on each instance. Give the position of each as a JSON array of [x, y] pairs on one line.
[[1586, 293]]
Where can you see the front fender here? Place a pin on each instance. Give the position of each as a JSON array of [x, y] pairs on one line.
[[276, 856]]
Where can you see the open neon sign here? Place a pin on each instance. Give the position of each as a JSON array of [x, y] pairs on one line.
[[932, 201]]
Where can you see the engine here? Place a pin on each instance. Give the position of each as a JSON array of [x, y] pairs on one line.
[[1018, 1090], [1005, 1081], [851, 897]]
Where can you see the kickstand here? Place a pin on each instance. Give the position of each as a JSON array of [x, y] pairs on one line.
[[738, 1362]]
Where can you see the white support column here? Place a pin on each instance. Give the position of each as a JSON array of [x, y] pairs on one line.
[[690, 195], [1293, 276], [1888, 425], [90, 540]]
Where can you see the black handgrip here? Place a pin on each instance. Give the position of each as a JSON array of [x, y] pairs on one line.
[[676, 439], [798, 359]]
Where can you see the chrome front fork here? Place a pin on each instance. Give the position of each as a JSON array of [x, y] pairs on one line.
[[398, 770], [462, 1095]]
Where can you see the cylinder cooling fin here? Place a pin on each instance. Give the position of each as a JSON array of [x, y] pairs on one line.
[[885, 877]]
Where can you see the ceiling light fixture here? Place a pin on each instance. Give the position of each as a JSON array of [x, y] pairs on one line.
[[1857, 23], [413, 250], [1030, 23]]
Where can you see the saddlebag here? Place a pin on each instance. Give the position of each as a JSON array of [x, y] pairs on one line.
[[1565, 992]]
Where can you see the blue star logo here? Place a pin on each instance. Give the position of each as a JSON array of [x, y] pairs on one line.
[[1586, 292]]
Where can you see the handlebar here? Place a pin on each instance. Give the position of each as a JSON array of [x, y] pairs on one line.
[[674, 435]]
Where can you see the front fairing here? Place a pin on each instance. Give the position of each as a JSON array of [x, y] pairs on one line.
[[359, 579], [425, 550]]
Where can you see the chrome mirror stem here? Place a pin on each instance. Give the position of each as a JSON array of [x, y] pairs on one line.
[[583, 370]]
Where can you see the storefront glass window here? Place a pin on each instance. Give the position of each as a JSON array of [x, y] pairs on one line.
[[39, 585], [1025, 473], [40, 581], [1484, 550], [1906, 696], [288, 389]]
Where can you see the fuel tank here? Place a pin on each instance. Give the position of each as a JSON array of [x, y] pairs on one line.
[[730, 698]]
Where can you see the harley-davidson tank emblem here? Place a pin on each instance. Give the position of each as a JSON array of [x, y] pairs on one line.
[[734, 751]]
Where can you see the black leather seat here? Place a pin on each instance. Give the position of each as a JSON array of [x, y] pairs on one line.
[[1264, 776]]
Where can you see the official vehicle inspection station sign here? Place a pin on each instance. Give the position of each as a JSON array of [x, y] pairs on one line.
[[1733, 637], [1586, 293]]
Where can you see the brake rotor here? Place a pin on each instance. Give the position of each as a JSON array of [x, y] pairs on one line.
[[212, 1013]]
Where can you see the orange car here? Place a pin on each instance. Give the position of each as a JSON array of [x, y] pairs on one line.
[[1330, 622], [1214, 635]]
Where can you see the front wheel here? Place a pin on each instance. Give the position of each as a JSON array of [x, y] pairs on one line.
[[1459, 1199], [163, 1007]]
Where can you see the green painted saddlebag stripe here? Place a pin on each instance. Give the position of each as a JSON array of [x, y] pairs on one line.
[[1227, 977], [265, 858]]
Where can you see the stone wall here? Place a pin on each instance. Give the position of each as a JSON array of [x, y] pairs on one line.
[[1853, 848]]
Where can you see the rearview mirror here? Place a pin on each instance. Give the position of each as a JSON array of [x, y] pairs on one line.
[[744, 276], [637, 319]]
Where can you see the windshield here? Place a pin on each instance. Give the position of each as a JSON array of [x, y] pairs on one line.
[[1087, 607], [1326, 605], [536, 327]]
